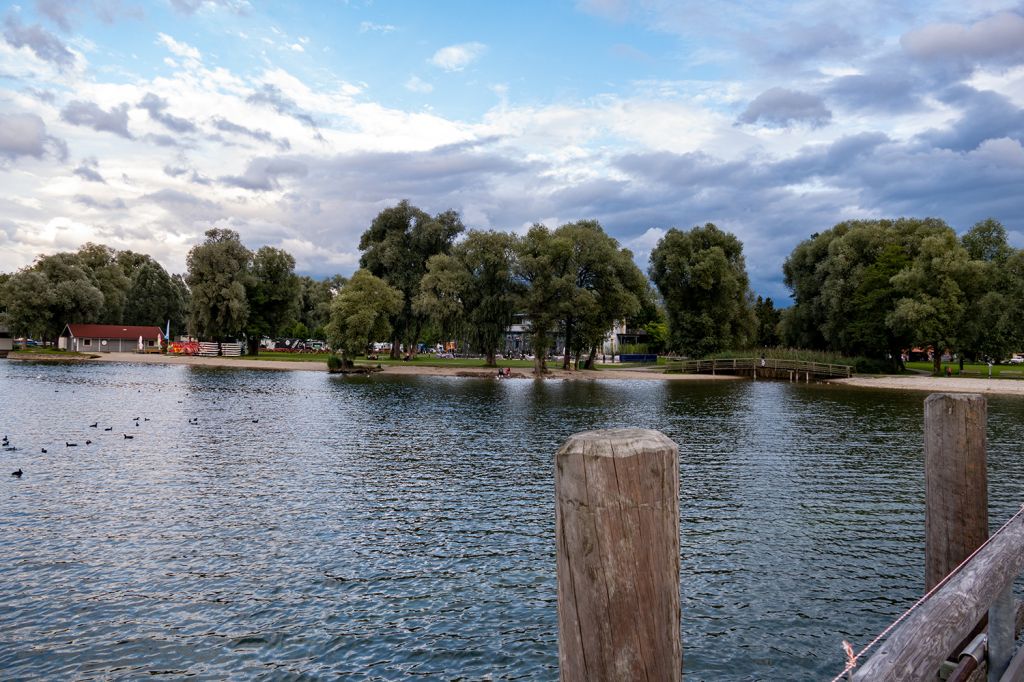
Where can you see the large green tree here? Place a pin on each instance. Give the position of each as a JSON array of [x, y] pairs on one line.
[[219, 275], [702, 277], [396, 248], [54, 291], [153, 296], [101, 264], [472, 292], [274, 293], [543, 290], [361, 313]]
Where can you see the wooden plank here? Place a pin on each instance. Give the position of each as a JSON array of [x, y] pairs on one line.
[[617, 535], [916, 649]]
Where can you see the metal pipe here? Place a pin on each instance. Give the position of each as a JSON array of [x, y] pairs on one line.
[[970, 658]]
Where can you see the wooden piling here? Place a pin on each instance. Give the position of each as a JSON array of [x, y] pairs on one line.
[[956, 482], [617, 534]]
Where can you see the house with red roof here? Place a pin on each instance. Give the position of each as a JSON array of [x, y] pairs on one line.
[[110, 338]]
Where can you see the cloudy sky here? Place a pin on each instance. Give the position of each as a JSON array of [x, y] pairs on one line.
[[142, 124]]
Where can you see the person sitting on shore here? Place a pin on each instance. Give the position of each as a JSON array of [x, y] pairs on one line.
[[500, 373], [508, 372]]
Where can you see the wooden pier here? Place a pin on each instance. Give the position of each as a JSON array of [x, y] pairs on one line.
[[764, 368], [617, 538]]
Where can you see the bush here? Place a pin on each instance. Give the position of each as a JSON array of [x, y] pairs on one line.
[[334, 363]]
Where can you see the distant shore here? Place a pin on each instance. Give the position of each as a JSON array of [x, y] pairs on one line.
[[410, 369], [886, 382]]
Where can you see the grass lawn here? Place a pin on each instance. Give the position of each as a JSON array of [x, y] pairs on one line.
[[55, 352], [974, 369]]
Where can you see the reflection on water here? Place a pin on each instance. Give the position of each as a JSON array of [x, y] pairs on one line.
[[387, 528]]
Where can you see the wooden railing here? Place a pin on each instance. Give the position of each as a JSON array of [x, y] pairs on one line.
[[754, 365]]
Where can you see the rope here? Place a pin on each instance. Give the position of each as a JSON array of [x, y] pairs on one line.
[[852, 658]]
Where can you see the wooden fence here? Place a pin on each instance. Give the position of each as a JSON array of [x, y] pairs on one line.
[[794, 370]]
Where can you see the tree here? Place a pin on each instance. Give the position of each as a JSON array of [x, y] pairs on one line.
[[101, 264], [274, 294], [396, 248], [360, 313], [218, 278], [702, 277], [542, 290], [315, 305], [472, 290], [52, 292], [153, 297], [933, 303], [768, 318]]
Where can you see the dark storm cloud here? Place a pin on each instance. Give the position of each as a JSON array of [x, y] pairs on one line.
[[157, 108], [271, 96], [263, 174], [782, 108], [44, 44], [23, 134], [882, 92], [89, 114], [985, 115], [227, 126], [87, 170]]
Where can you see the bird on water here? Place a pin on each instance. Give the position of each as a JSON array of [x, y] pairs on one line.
[[94, 425], [127, 436], [70, 445], [43, 450], [109, 428], [16, 474]]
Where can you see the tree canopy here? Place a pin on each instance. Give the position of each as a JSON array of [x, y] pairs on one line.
[[702, 277], [361, 313], [219, 277]]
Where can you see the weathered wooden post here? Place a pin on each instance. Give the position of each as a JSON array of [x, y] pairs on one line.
[[617, 534], [956, 481]]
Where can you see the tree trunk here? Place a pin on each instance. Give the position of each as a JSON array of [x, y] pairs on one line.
[[937, 360], [568, 345], [253, 345], [590, 359], [576, 361], [395, 343], [490, 358], [540, 350]]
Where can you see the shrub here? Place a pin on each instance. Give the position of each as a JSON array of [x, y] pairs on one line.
[[334, 363]]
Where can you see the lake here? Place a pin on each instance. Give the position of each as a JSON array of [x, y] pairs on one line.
[[313, 526]]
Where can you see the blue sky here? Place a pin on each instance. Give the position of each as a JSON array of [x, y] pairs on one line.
[[143, 124]]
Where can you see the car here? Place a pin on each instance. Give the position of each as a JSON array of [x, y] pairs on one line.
[[1017, 359]]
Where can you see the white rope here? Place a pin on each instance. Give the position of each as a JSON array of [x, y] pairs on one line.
[[852, 658]]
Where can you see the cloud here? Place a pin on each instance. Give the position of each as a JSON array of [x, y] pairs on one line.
[[192, 6], [262, 174], [57, 11], [457, 57], [183, 50], [881, 92], [417, 84], [25, 135], [227, 126], [370, 27], [997, 38], [44, 44], [94, 203], [87, 170], [782, 108], [272, 96], [156, 106], [985, 115], [89, 114]]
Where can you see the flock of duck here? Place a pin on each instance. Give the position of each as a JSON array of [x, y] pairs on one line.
[[8, 447]]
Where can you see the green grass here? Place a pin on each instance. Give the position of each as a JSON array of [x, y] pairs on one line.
[[980, 368]]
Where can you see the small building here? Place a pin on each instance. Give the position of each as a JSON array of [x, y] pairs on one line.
[[6, 342], [110, 338]]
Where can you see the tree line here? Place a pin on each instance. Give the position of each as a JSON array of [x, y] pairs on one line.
[[862, 288]]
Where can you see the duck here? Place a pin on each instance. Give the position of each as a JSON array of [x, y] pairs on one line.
[[88, 442], [70, 445], [109, 428], [127, 436], [43, 450], [16, 474], [255, 421], [94, 425]]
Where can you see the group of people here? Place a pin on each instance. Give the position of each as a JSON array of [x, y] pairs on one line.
[[504, 373]]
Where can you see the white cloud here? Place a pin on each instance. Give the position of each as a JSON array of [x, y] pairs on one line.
[[183, 50], [295, 47], [457, 57], [417, 84], [370, 27]]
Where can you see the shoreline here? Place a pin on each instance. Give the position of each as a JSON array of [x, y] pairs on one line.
[[928, 384]]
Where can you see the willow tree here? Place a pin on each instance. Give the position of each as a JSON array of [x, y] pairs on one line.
[[396, 248], [361, 313], [702, 277], [472, 292], [218, 277]]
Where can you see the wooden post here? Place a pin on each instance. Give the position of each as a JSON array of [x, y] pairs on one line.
[[617, 534], [956, 483]]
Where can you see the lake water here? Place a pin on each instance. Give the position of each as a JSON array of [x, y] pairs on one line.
[[392, 528]]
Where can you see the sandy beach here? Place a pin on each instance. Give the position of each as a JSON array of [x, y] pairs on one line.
[[932, 384]]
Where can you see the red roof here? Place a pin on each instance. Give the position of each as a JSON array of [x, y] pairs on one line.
[[113, 331]]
